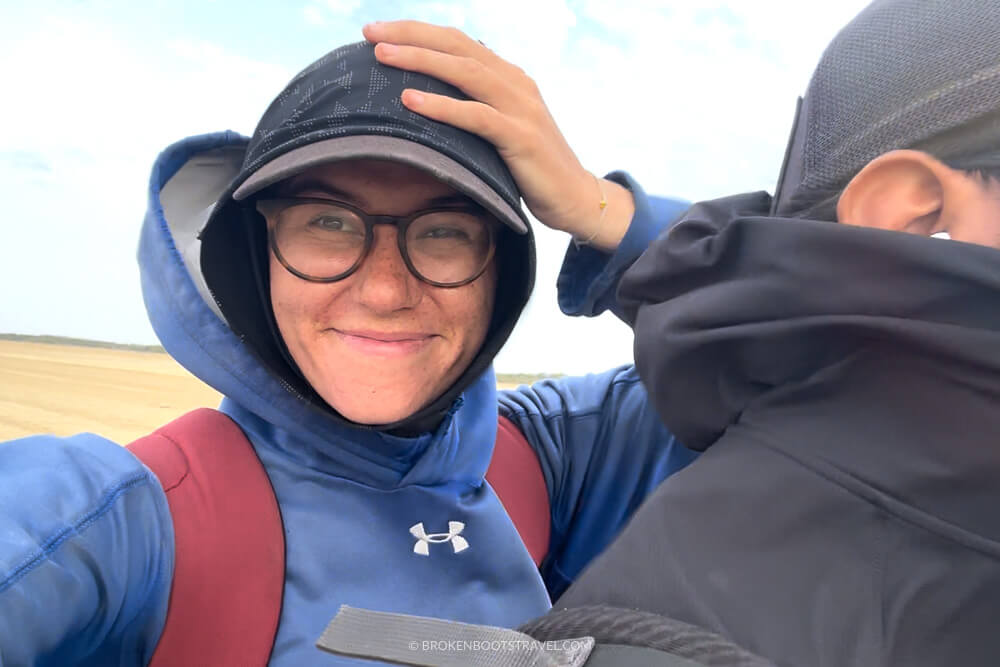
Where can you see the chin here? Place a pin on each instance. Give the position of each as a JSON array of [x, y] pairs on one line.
[[376, 410], [378, 393]]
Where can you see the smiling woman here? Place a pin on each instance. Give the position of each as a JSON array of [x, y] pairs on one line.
[[345, 278]]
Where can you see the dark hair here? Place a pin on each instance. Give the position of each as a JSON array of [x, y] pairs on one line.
[[988, 173]]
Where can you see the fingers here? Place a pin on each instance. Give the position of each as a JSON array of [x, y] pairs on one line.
[[428, 36], [471, 76], [505, 104], [437, 38], [475, 117]]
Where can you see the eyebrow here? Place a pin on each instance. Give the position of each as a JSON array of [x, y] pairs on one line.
[[298, 186]]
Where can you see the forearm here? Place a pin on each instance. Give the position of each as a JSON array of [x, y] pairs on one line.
[[85, 558]]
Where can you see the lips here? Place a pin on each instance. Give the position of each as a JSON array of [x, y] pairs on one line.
[[384, 342], [386, 337]]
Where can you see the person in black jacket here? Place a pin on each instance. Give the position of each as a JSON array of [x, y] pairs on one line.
[[842, 379]]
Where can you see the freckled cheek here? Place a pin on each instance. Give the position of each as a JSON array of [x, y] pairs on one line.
[[298, 299], [478, 316], [281, 304], [295, 310]]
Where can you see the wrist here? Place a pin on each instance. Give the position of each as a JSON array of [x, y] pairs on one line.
[[609, 218], [602, 206]]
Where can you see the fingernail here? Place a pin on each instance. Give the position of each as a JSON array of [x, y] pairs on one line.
[[413, 98], [387, 49]]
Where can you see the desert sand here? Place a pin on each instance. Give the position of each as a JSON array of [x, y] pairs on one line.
[[67, 389]]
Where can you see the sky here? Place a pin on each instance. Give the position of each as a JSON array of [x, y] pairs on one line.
[[694, 98]]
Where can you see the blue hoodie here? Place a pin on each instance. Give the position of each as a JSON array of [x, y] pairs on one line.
[[86, 537]]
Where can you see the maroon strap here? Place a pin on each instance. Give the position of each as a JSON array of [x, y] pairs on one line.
[[229, 567], [516, 476]]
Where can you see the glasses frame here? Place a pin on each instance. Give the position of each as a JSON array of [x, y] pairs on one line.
[[402, 223]]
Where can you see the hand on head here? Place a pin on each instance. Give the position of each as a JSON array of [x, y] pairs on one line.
[[507, 110]]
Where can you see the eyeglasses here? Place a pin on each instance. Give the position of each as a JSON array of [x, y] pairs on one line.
[[322, 240]]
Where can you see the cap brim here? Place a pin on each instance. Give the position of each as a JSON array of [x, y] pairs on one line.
[[396, 149]]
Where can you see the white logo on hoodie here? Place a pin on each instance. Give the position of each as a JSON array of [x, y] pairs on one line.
[[454, 535]]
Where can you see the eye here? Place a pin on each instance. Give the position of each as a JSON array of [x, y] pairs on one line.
[[328, 222], [454, 227], [335, 222], [445, 232]]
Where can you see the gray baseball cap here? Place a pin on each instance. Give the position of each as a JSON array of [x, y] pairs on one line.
[[346, 106]]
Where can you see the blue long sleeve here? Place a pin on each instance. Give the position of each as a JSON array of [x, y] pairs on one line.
[[588, 281], [86, 554]]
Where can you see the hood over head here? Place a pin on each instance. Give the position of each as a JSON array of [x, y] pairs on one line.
[[347, 106]]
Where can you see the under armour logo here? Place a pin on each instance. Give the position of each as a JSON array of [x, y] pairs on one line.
[[454, 535]]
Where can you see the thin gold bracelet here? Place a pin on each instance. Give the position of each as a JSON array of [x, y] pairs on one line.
[[603, 205]]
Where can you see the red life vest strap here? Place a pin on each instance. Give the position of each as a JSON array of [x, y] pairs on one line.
[[516, 476], [229, 553]]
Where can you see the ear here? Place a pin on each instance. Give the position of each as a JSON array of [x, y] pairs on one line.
[[902, 190]]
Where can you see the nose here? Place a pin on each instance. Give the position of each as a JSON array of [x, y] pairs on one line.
[[383, 283]]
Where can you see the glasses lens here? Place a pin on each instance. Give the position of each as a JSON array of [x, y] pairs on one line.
[[319, 240], [449, 247]]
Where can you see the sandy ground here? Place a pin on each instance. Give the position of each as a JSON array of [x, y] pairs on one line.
[[67, 389]]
